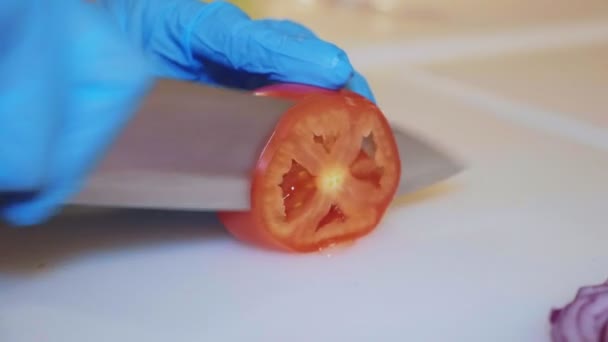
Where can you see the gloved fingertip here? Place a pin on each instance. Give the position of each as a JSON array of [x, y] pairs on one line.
[[359, 85], [312, 62], [39, 208], [25, 216], [340, 70]]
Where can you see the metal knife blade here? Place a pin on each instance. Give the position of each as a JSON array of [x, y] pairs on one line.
[[191, 147], [422, 163]]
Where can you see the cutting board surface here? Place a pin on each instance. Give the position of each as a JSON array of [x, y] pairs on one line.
[[483, 257]]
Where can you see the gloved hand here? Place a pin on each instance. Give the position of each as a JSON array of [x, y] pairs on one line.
[[71, 79], [217, 43]]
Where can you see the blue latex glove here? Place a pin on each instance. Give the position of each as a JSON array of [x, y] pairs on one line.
[[73, 72], [69, 81], [217, 43]]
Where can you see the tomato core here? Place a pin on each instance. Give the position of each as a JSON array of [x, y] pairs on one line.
[[327, 174]]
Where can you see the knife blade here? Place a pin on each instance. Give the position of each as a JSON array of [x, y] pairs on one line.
[[192, 147], [422, 163]]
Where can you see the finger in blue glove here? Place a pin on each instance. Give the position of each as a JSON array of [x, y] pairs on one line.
[[217, 43], [73, 84]]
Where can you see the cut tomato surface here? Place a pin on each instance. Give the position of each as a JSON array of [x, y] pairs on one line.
[[327, 174]]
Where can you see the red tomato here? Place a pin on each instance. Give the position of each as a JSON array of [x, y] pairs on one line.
[[327, 174]]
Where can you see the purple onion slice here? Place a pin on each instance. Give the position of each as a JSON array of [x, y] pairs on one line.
[[584, 319]]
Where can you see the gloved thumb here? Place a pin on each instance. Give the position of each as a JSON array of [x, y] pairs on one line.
[[282, 51]]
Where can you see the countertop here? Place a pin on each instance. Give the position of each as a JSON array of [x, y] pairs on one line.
[[516, 89]]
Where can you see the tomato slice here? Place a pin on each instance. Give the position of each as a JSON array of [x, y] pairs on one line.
[[327, 174]]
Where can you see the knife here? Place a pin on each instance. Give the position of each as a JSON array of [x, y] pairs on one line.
[[192, 147]]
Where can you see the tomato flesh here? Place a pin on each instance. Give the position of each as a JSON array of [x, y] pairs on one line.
[[327, 174]]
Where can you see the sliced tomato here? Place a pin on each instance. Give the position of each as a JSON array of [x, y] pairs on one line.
[[327, 174]]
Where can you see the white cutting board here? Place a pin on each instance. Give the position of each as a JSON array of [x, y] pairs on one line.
[[482, 258]]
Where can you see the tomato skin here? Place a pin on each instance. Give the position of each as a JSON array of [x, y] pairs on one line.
[[249, 226], [245, 226]]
